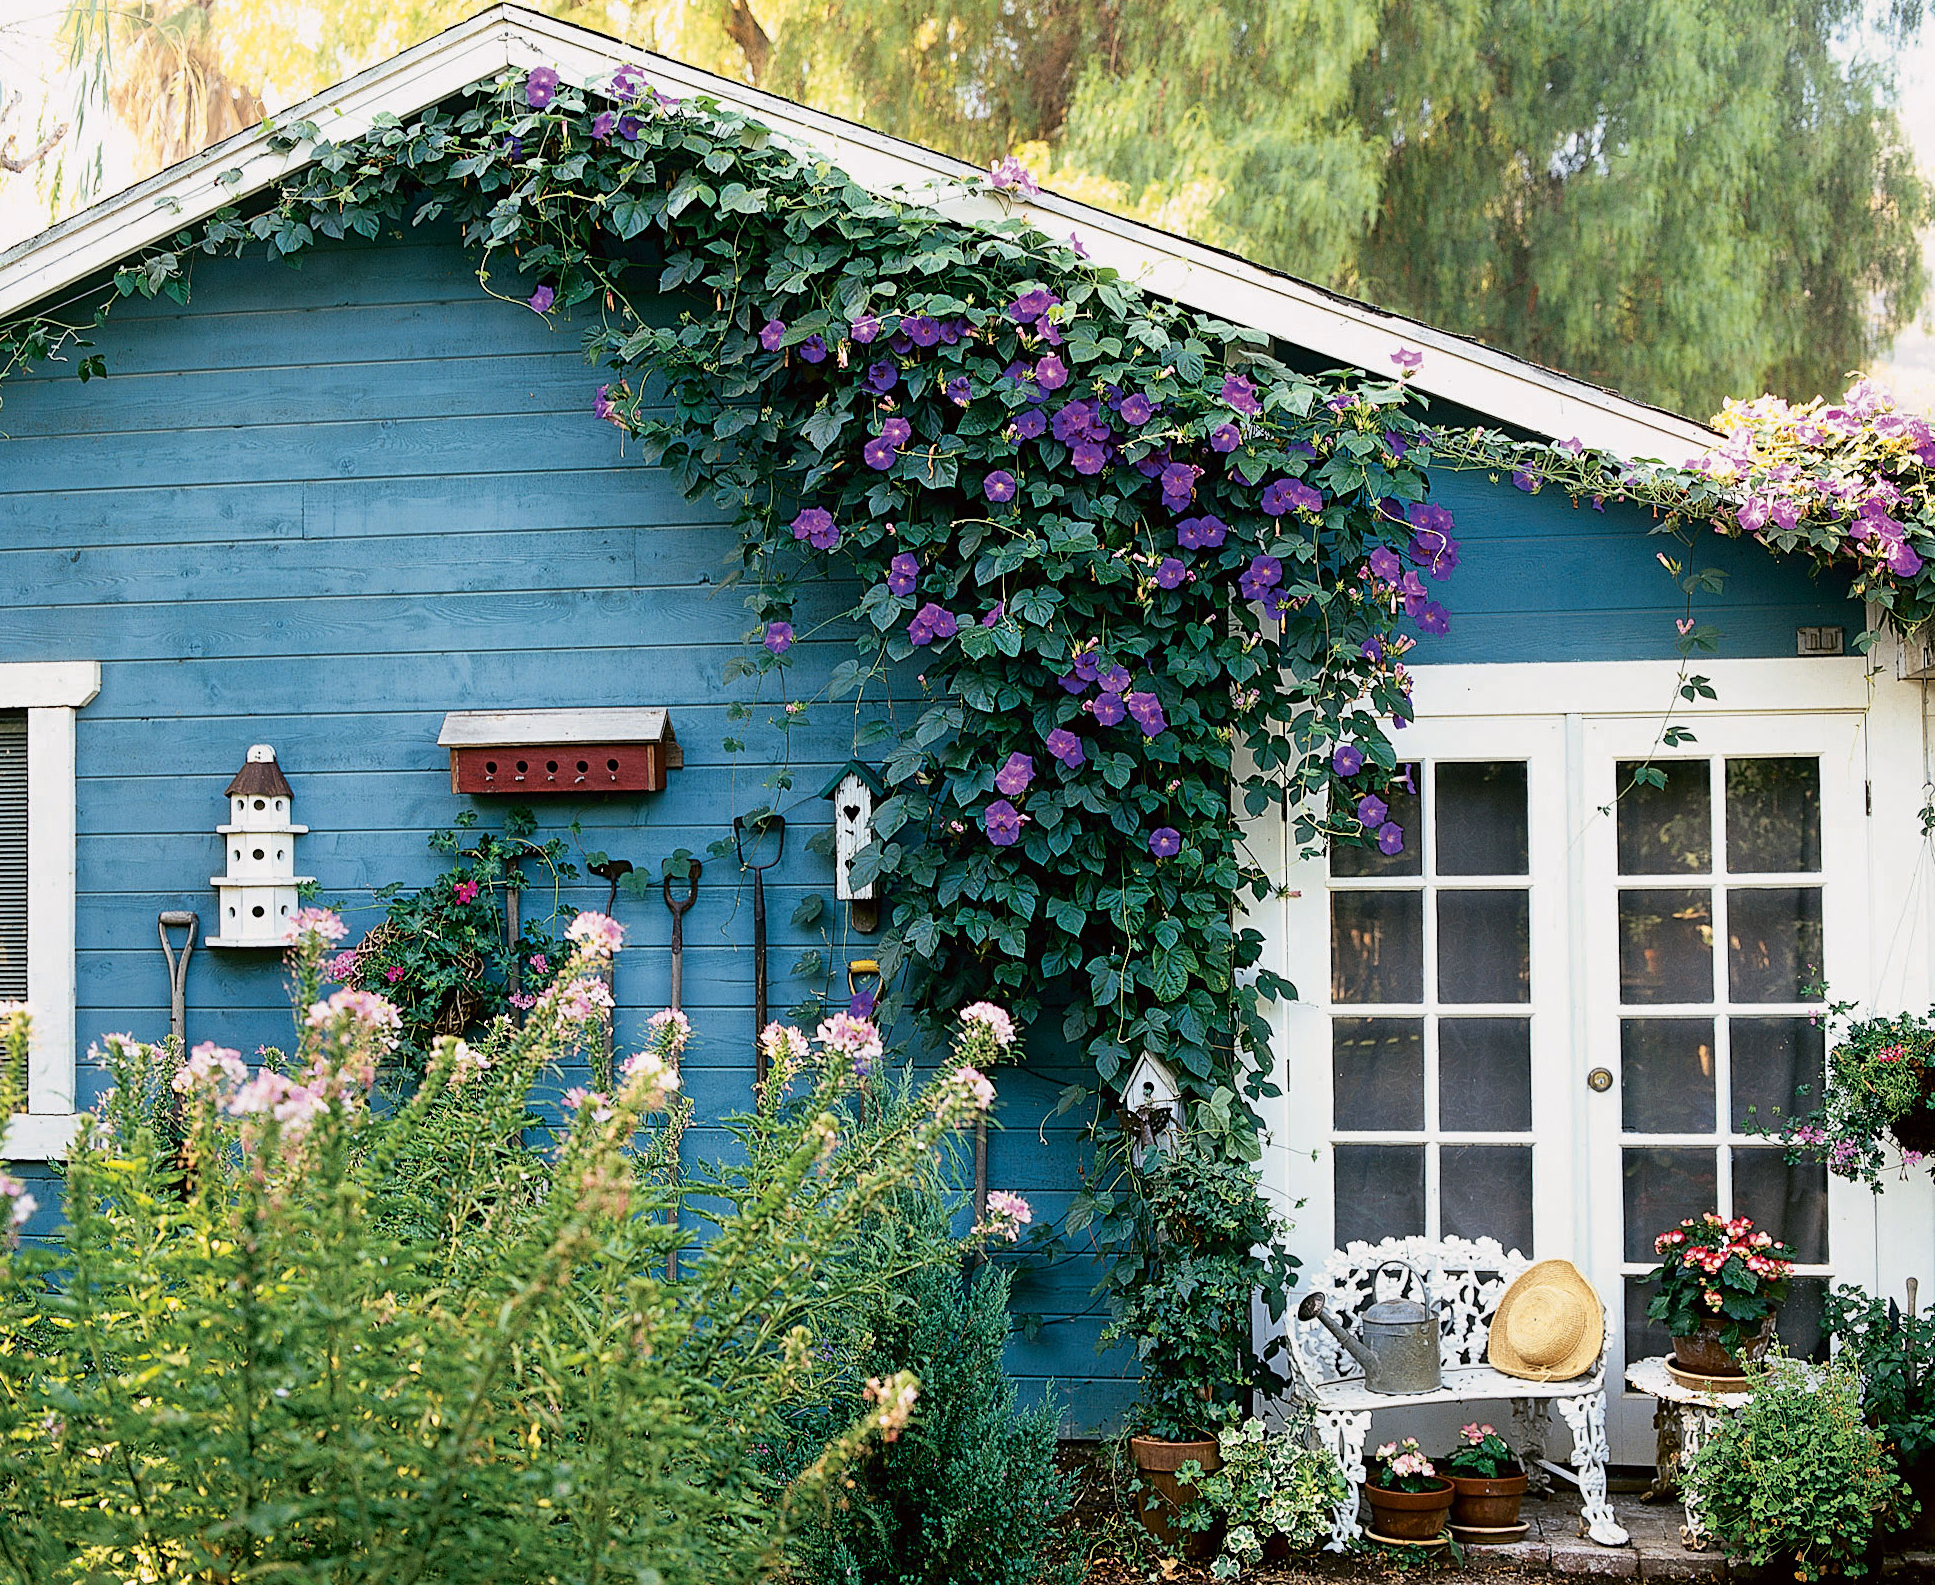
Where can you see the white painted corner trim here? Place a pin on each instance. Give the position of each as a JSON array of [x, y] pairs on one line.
[[50, 693], [1353, 333]]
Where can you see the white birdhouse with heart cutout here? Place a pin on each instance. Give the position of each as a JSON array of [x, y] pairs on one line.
[[854, 790], [257, 895]]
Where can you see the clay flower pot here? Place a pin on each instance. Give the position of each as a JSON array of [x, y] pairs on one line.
[[1487, 1504], [1163, 1496], [1410, 1515], [1702, 1353]]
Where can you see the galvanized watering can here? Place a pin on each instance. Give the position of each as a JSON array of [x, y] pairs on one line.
[[1399, 1352]]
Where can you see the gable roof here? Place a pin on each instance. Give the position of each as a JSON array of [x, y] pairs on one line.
[[1355, 333]]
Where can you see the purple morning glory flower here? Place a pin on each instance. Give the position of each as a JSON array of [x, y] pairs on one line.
[[1434, 618], [1277, 604], [1264, 572], [1030, 425], [999, 486], [540, 87], [815, 525], [1090, 458], [1088, 665], [881, 377], [813, 349], [1136, 409], [1178, 482], [864, 329], [1108, 708], [1348, 760], [878, 453], [1165, 842], [1372, 649], [1071, 422], [1406, 359], [1170, 574], [1211, 530], [602, 124], [896, 431], [772, 334], [1390, 838], [628, 82], [1525, 479], [779, 637], [629, 127], [1031, 305], [1225, 438], [1113, 678], [1074, 683], [995, 613], [1372, 811], [602, 405], [1752, 514], [513, 148], [1013, 778], [1437, 554], [1051, 374], [1065, 746], [1903, 562], [903, 573], [1395, 443], [1002, 822], [542, 299], [931, 622], [1189, 533], [1384, 563], [900, 343], [959, 391], [1288, 495], [1240, 394], [1146, 708], [923, 330], [1787, 514]]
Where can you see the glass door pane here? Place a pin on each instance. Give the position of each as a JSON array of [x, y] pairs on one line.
[[1718, 921], [1431, 980]]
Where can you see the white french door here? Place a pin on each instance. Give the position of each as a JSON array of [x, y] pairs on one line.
[[1556, 1016], [1719, 905]]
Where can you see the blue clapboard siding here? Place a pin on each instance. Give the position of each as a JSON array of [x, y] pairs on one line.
[[1542, 579], [321, 507]]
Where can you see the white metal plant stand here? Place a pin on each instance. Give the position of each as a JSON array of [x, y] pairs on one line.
[[1467, 1277]]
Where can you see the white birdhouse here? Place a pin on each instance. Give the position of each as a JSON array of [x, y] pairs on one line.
[[258, 897], [1150, 1088], [853, 789]]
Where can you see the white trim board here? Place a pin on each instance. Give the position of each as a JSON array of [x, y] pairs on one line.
[[1354, 333], [50, 692], [1778, 686]]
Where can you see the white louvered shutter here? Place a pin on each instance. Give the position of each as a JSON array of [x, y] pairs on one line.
[[13, 855]]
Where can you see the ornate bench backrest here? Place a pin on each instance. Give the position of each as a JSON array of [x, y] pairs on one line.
[[1467, 1277]]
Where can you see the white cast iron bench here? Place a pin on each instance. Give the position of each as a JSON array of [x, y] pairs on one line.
[[1467, 1278]]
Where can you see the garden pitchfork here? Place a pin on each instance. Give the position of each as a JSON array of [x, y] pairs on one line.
[[759, 826]]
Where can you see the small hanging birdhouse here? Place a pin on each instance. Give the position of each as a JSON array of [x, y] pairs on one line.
[[257, 897], [1151, 1097], [854, 790]]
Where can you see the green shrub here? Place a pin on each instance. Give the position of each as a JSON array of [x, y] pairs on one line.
[[1272, 1484], [1795, 1475], [303, 1338], [969, 1494]]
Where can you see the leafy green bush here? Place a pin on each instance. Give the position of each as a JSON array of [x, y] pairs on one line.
[[1896, 1356], [1273, 1485], [1795, 1475], [969, 1495], [318, 1340], [1202, 1245]]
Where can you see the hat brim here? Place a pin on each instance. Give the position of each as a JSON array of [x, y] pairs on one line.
[[1505, 1358]]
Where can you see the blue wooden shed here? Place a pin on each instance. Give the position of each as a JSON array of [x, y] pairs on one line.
[[324, 508]]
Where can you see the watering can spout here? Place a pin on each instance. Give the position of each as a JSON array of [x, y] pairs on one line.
[[1312, 1309]]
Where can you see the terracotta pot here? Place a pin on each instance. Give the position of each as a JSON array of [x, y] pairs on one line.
[[1163, 1496], [1487, 1504], [1410, 1515], [1702, 1353]]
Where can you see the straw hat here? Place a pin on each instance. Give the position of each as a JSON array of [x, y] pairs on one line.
[[1550, 1325]]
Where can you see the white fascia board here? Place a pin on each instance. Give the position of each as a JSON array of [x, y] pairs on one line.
[[48, 684], [1354, 334], [38, 1136], [1644, 688]]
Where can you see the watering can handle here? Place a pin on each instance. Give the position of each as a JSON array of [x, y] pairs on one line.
[[1424, 1282]]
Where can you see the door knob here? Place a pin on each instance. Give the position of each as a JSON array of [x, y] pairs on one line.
[[1599, 1080]]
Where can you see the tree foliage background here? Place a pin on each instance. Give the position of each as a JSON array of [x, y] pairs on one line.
[[1686, 199]]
